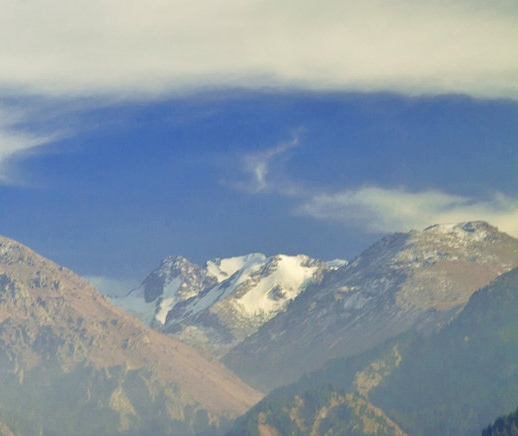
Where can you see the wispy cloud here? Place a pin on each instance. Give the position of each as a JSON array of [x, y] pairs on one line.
[[382, 210], [372, 208], [156, 46], [16, 141], [257, 167], [111, 286]]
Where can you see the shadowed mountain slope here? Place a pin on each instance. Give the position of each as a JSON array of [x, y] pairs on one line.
[[450, 383]]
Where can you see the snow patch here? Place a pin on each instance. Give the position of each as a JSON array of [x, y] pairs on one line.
[[250, 265], [286, 282], [163, 309], [172, 287], [336, 263], [222, 269], [465, 231]]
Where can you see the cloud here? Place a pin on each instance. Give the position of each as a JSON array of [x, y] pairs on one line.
[[147, 48], [110, 286], [257, 166], [16, 141], [376, 209], [382, 210]]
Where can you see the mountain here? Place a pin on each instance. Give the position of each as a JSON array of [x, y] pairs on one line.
[[452, 382], [218, 305], [72, 363], [407, 281]]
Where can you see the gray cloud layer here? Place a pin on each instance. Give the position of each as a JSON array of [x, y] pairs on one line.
[[147, 48]]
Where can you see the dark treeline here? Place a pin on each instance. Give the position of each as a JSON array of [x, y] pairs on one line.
[[503, 426]]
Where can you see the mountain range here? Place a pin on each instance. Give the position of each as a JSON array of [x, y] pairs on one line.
[[273, 319], [414, 337]]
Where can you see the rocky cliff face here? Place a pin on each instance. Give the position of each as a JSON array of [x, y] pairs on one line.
[[217, 306], [72, 363], [417, 280]]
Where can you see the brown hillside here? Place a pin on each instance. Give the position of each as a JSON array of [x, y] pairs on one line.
[[51, 318]]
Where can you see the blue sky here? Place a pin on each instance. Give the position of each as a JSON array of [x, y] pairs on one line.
[[214, 129]]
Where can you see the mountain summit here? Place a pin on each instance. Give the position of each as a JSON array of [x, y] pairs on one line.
[[72, 363]]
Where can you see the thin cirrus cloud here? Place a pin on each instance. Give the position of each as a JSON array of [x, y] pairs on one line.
[[16, 141], [147, 48], [376, 209], [257, 166]]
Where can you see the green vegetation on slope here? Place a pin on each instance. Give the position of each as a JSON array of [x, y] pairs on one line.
[[332, 401], [326, 410]]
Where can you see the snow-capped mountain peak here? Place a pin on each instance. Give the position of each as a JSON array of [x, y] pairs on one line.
[[469, 231], [224, 301]]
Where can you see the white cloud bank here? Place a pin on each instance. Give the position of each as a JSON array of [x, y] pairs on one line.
[[149, 47], [389, 210]]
